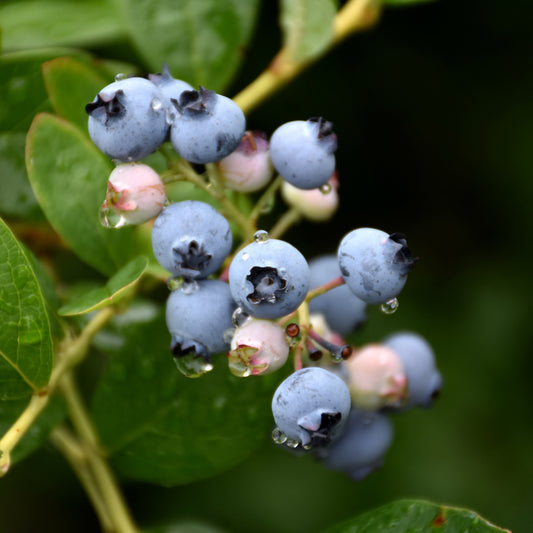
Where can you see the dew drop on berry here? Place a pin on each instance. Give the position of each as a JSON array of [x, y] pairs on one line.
[[245, 256], [291, 443], [170, 116], [110, 218], [325, 189], [189, 286], [261, 236], [174, 283], [228, 335], [156, 104], [239, 317], [307, 447], [278, 437], [192, 365], [390, 306], [120, 76]]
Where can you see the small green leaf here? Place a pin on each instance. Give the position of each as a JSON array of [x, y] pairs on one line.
[[201, 40], [406, 516], [52, 415], [164, 428], [69, 82], [69, 175], [27, 25], [307, 27], [112, 292], [25, 339]]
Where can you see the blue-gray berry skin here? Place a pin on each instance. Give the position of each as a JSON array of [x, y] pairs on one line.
[[362, 446], [207, 126], [342, 310], [424, 381], [197, 316], [191, 239], [127, 119], [311, 406], [169, 86], [302, 152], [374, 264], [269, 279]]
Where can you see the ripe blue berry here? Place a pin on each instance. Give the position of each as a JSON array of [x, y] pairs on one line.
[[342, 310], [374, 264], [191, 239], [362, 446], [197, 315], [127, 119], [424, 381], [311, 406], [207, 127], [302, 152], [269, 279]]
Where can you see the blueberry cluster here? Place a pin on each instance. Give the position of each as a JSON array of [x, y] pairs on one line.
[[252, 295]]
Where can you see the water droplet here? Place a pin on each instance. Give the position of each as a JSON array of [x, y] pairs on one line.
[[173, 284], [336, 357], [325, 189], [5, 462], [239, 317], [117, 162], [156, 104], [291, 443], [390, 306], [245, 256], [193, 365], [278, 437], [228, 335], [268, 206], [261, 236], [170, 116], [109, 218], [189, 286], [120, 76], [307, 447]]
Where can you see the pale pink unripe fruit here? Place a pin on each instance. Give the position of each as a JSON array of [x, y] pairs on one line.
[[248, 168], [257, 347], [135, 193], [317, 205], [376, 377]]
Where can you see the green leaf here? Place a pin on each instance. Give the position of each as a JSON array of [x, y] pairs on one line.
[[201, 40], [112, 292], [16, 196], [307, 27], [69, 175], [27, 25], [25, 339], [69, 82], [406, 516], [52, 416], [164, 428]]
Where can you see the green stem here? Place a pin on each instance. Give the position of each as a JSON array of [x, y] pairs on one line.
[[337, 282], [288, 219], [265, 199]]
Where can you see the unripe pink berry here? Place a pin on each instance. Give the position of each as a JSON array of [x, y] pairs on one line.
[[317, 205], [376, 377], [257, 347], [135, 194], [248, 168]]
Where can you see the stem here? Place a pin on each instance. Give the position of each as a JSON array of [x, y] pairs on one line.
[[337, 282], [354, 16], [288, 219], [119, 513], [74, 453], [265, 199]]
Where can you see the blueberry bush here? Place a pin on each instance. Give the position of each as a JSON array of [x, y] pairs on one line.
[[201, 266]]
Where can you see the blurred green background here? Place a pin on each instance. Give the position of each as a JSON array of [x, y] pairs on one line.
[[433, 109]]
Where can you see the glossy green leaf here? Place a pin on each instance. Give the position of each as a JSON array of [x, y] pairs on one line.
[[69, 175], [25, 339], [16, 196], [112, 292], [406, 516], [165, 428], [307, 26], [27, 25], [51, 416], [70, 85], [201, 40]]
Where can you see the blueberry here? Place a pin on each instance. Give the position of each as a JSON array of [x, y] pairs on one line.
[[269, 279], [198, 314], [342, 310], [362, 446], [311, 406], [207, 127], [424, 381], [127, 119], [191, 239], [302, 152], [374, 264], [169, 86]]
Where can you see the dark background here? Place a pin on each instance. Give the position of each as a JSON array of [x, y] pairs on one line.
[[433, 109]]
